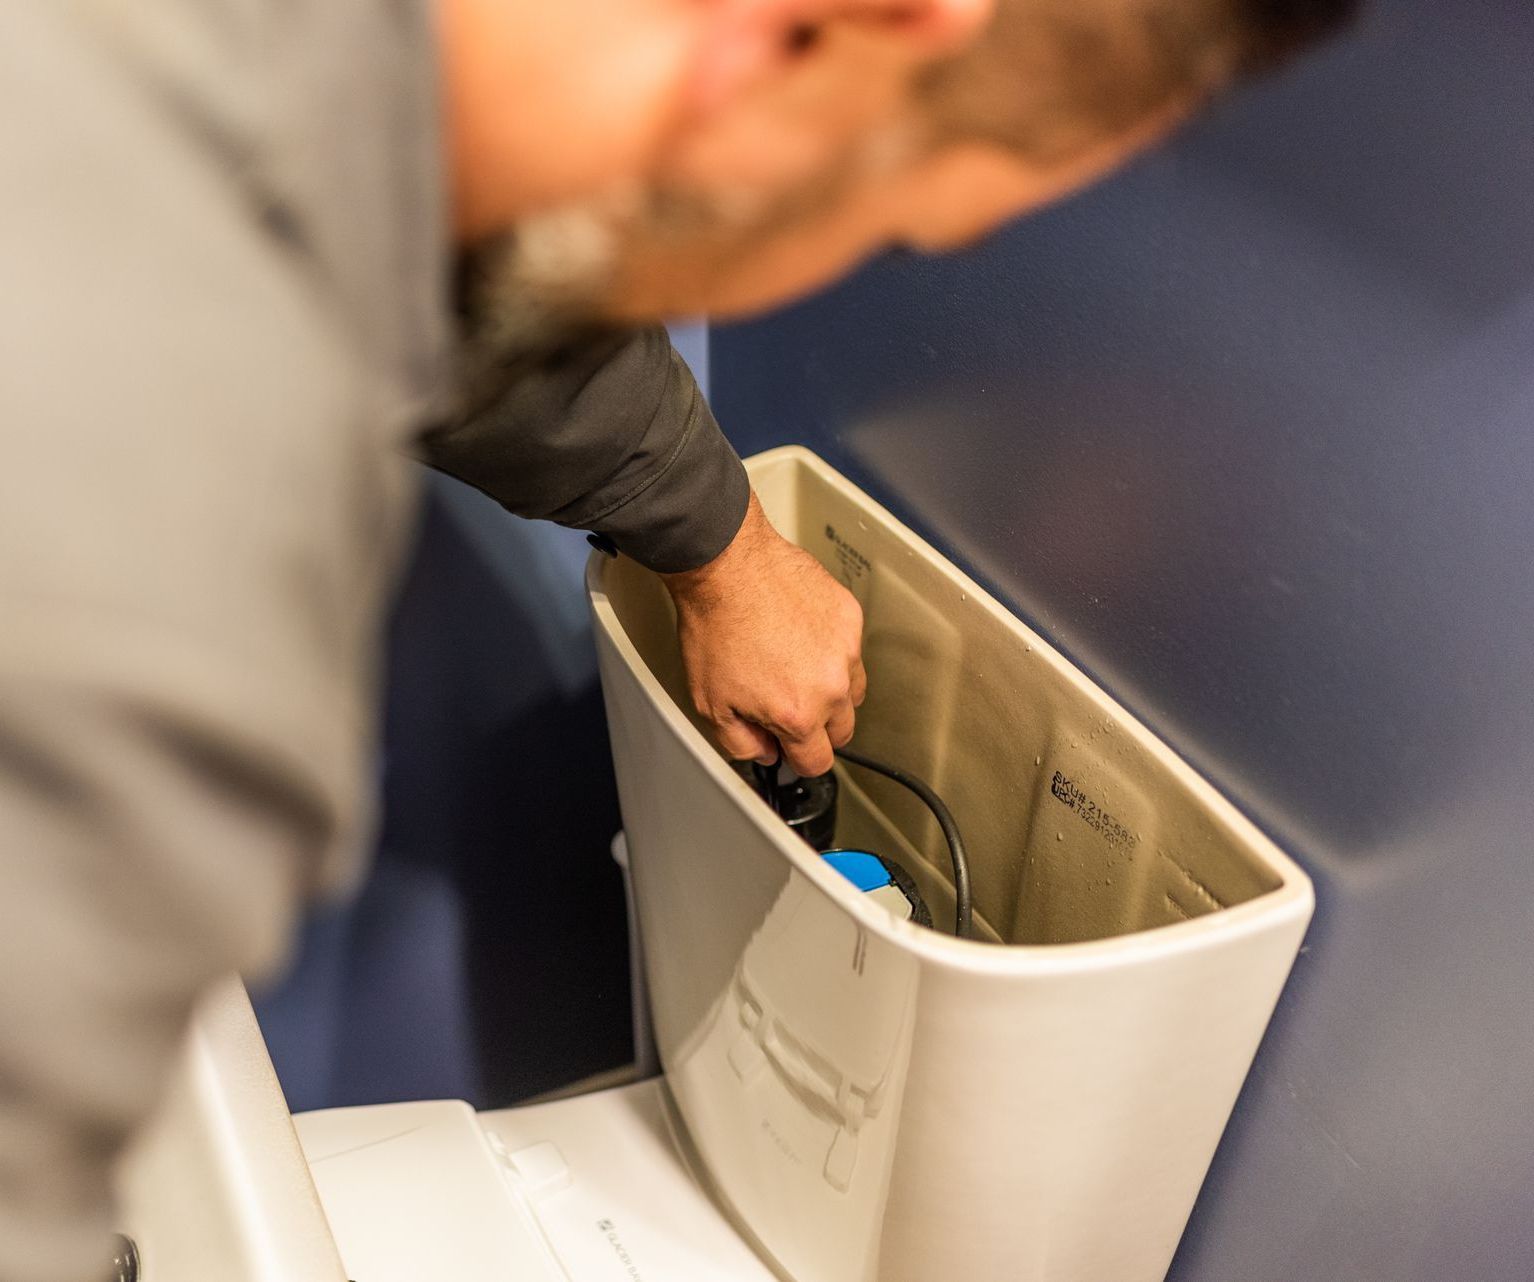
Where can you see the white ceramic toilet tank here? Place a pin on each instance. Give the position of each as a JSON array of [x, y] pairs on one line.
[[873, 1100], [848, 1096]]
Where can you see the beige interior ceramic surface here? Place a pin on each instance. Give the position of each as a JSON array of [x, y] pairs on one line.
[[1080, 825]]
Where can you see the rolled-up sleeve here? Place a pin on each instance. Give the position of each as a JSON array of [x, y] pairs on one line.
[[609, 433]]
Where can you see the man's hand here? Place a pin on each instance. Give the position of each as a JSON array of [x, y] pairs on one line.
[[773, 648]]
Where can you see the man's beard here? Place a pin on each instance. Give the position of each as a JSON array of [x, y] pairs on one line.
[[534, 286], [561, 274], [561, 271]]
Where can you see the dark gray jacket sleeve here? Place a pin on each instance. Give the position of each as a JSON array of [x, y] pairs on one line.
[[608, 433]]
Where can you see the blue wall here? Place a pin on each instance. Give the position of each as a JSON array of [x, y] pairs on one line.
[[1249, 431]]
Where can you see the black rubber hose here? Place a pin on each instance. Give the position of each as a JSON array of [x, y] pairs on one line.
[[962, 895]]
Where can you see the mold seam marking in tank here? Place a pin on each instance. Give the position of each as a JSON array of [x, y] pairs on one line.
[[1199, 888]]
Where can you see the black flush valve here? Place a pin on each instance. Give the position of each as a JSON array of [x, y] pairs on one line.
[[807, 805]]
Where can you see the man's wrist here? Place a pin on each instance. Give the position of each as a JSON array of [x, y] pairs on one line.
[[698, 585]]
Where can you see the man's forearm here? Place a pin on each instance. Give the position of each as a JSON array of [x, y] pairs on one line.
[[608, 433]]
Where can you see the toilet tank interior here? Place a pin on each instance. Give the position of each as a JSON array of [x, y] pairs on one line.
[[1080, 825]]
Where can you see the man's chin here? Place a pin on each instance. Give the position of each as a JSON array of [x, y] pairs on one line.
[[740, 293]]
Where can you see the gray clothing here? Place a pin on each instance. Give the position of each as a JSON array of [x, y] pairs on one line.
[[224, 319]]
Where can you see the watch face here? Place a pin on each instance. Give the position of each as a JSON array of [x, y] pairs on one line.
[[883, 881]]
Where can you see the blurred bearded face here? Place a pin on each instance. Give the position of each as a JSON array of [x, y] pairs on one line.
[[865, 131], [676, 248], [671, 247]]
